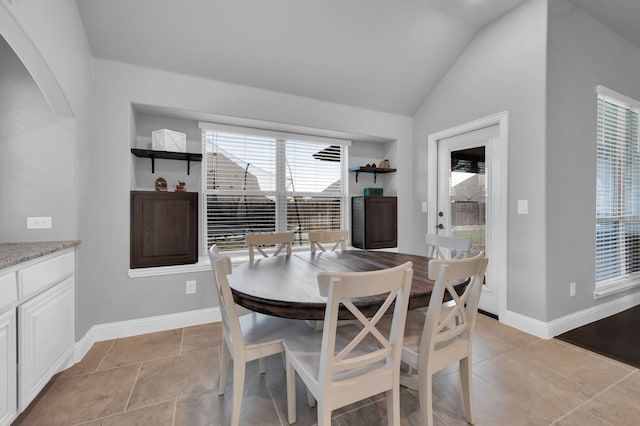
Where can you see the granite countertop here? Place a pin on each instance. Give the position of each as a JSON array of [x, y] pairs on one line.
[[15, 253]]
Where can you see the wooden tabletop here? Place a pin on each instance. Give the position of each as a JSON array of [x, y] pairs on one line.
[[286, 286]]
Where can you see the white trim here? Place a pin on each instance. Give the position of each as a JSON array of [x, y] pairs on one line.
[[203, 265], [604, 290], [499, 160], [120, 329], [548, 330], [299, 137], [615, 97], [15, 35]]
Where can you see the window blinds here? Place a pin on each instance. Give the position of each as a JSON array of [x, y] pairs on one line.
[[264, 181], [618, 189]]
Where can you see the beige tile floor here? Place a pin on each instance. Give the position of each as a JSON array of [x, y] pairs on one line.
[[170, 378]]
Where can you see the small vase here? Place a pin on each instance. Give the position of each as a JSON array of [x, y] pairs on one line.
[[181, 188]]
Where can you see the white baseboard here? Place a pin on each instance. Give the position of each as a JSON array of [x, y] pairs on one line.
[[116, 330], [548, 330]]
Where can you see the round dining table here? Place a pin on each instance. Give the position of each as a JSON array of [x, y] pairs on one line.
[[286, 286]]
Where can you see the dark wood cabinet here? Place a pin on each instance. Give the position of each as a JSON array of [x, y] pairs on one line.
[[374, 222], [164, 228]]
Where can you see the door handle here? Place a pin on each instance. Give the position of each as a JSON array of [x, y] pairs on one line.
[[440, 226]]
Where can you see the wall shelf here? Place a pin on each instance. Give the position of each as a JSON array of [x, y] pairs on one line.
[[167, 155], [374, 170]]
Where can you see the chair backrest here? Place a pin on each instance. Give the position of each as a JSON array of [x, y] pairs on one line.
[[455, 321], [221, 266], [340, 288], [439, 245], [339, 238], [281, 241]]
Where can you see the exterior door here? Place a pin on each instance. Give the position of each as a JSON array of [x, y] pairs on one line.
[[464, 197]]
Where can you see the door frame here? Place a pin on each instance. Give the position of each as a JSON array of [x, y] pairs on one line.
[[498, 214]]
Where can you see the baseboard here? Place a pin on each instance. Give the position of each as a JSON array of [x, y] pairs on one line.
[[116, 330], [548, 330]]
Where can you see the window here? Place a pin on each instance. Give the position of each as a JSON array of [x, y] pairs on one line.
[[618, 192], [265, 181]]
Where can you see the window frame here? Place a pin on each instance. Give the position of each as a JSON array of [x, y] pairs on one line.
[[280, 193], [624, 280]]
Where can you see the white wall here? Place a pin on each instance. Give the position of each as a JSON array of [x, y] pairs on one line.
[[111, 295], [503, 68], [583, 53], [44, 144]]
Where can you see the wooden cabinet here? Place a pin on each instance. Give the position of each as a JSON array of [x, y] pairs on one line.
[[8, 367], [164, 228], [374, 222]]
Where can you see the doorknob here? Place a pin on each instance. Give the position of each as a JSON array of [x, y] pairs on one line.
[[440, 214], [440, 226]]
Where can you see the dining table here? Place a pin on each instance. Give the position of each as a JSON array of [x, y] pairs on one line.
[[286, 285]]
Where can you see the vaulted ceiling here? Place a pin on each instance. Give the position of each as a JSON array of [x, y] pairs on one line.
[[377, 54]]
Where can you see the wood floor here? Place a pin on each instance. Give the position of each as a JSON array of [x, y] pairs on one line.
[[615, 336]]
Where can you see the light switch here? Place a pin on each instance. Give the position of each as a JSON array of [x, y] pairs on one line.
[[523, 206]]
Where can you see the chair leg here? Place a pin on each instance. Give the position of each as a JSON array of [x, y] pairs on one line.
[[310, 399], [238, 390], [324, 414], [224, 356], [263, 367], [393, 406], [466, 380], [291, 392], [425, 390]]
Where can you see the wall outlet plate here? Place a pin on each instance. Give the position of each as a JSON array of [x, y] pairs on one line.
[[191, 287]]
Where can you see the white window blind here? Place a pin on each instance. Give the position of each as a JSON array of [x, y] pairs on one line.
[[265, 181], [618, 190]]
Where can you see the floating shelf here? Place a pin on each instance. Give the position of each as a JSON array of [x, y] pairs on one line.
[[167, 155], [374, 170]]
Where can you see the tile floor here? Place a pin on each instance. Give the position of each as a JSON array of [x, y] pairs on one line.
[[171, 378]]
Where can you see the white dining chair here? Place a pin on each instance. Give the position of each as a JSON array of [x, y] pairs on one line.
[[445, 334], [342, 365], [259, 242], [245, 338], [337, 237], [446, 247]]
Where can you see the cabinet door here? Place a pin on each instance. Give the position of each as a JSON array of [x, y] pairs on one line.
[[164, 228], [46, 338], [381, 228], [8, 405]]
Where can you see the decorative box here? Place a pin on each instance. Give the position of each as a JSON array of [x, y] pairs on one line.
[[373, 192], [168, 140]]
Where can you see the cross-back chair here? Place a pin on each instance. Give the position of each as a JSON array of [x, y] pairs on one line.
[[446, 247], [245, 338], [259, 242], [341, 365], [445, 334], [338, 238]]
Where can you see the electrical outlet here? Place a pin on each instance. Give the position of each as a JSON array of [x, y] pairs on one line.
[[572, 289], [39, 223], [191, 287]]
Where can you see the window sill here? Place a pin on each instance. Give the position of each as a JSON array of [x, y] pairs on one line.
[[618, 286], [203, 264]]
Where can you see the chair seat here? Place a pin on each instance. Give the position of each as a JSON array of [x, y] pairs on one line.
[[307, 353], [259, 329]]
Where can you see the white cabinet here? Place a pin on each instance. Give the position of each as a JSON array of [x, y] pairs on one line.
[[7, 366], [37, 327], [46, 338]]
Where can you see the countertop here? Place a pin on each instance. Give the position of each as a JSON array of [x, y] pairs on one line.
[[15, 253]]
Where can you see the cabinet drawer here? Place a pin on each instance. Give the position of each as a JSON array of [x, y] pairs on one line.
[[8, 289], [36, 278]]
